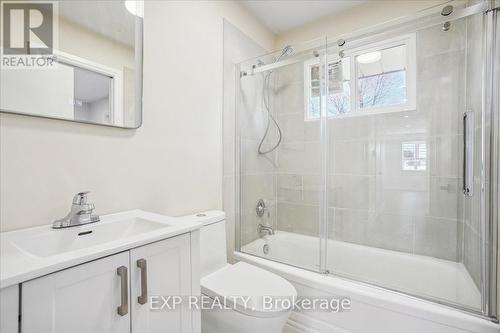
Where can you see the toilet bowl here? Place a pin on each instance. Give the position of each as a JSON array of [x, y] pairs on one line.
[[246, 298]]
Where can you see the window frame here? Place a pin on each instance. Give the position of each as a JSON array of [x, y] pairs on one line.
[[408, 40]]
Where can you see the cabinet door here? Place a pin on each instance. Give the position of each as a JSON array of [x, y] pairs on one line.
[[82, 299], [160, 269], [9, 309]]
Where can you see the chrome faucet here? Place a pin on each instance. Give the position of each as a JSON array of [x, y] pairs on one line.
[[267, 228], [80, 213]]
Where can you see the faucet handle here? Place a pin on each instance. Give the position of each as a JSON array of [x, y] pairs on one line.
[[80, 198]]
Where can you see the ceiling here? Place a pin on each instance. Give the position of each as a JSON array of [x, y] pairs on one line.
[[282, 15]]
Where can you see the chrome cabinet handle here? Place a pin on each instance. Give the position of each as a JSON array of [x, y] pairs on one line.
[[143, 265], [468, 167], [122, 272]]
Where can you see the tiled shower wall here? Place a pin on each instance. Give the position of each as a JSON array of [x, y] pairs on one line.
[[371, 200], [299, 156]]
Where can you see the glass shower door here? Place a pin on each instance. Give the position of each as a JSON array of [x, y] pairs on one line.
[[405, 140], [281, 154], [368, 158]]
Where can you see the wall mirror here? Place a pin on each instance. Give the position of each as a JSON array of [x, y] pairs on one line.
[[96, 55]]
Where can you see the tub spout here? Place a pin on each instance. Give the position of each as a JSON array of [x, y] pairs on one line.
[[261, 228]]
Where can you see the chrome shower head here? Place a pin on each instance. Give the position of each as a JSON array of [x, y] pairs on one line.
[[287, 51]]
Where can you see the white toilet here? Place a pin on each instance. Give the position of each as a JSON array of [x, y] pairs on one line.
[[220, 279]]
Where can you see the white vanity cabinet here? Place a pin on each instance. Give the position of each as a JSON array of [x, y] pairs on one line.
[[105, 295], [83, 298]]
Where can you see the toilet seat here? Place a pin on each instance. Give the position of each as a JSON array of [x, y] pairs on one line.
[[242, 279]]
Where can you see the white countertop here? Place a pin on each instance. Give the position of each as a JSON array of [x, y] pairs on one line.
[[18, 265]]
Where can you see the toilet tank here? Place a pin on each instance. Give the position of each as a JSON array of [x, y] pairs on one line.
[[213, 254]]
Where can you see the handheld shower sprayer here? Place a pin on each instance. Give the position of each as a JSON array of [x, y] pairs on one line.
[[285, 52]]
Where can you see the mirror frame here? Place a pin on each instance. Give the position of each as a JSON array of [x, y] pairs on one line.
[[138, 91]]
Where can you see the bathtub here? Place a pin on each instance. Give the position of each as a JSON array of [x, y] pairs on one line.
[[374, 309]]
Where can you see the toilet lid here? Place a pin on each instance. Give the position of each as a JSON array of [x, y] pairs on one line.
[[250, 290]]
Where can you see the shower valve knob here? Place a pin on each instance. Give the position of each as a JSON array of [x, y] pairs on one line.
[[260, 208]]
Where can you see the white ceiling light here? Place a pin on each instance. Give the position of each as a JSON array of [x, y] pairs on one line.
[[369, 58], [135, 7]]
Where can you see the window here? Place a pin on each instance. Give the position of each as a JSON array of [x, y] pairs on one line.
[[414, 156], [339, 89], [384, 80], [314, 99]]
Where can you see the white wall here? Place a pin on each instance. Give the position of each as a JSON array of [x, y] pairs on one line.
[[171, 165]]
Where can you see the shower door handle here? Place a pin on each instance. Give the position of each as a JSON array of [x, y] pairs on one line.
[[468, 167]]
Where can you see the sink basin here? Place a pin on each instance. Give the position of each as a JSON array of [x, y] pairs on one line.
[[55, 242]]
